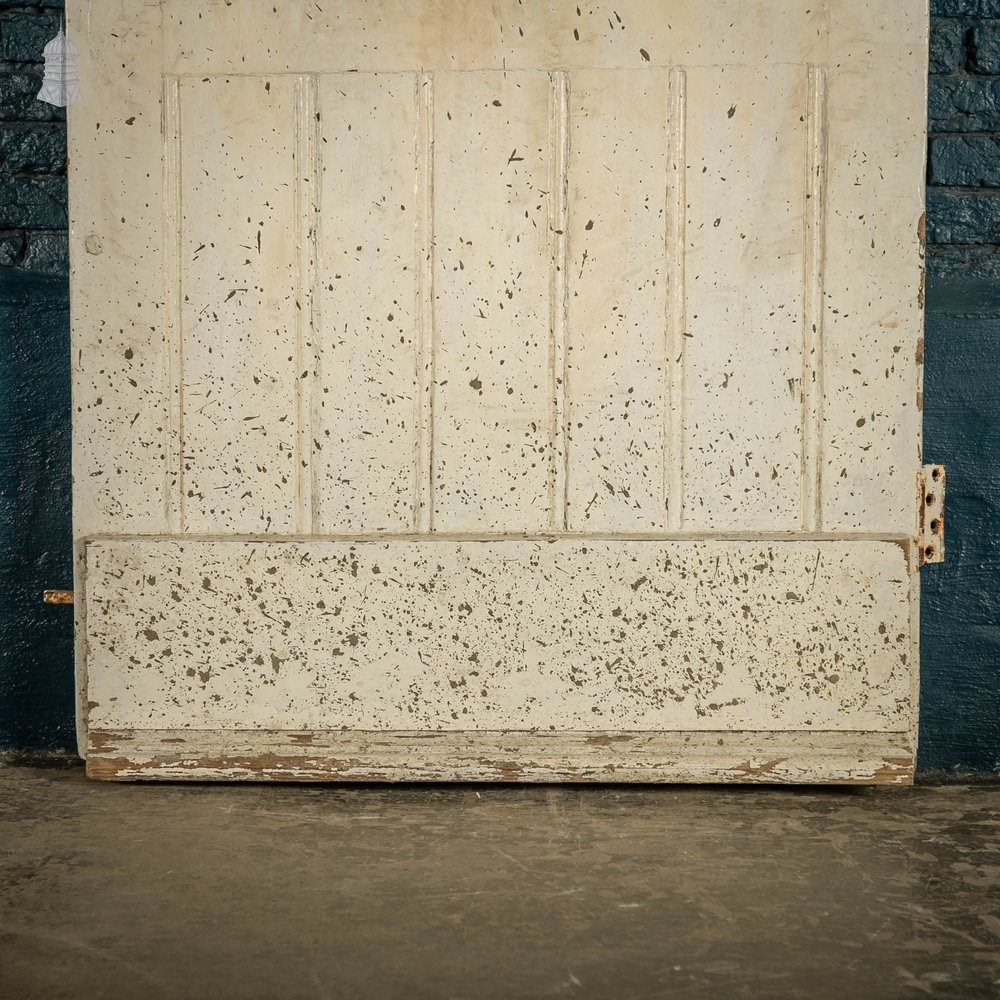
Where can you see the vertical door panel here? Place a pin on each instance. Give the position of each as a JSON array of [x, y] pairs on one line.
[[617, 286], [872, 318], [121, 322], [238, 283], [493, 413], [745, 187], [366, 402]]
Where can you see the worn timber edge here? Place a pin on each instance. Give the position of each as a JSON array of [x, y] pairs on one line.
[[858, 758], [57, 596]]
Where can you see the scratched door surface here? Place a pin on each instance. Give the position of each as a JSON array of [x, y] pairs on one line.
[[501, 391]]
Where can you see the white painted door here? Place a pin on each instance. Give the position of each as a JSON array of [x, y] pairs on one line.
[[470, 390]]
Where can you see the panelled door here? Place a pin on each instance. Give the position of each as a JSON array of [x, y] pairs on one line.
[[497, 390]]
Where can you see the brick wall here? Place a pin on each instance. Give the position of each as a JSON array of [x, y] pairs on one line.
[[963, 169], [32, 143]]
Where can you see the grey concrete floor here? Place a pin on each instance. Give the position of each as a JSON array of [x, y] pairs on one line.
[[240, 891]]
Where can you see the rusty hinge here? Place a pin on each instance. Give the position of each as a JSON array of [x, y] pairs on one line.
[[930, 541], [57, 596]]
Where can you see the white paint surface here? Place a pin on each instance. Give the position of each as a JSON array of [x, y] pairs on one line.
[[564, 634], [509, 270]]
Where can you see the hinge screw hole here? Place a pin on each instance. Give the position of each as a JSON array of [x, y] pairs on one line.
[[929, 499], [929, 551], [936, 475], [935, 526]]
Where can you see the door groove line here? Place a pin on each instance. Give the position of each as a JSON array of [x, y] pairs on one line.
[[763, 537], [676, 314], [558, 292], [423, 507], [307, 183], [171, 139], [812, 326]]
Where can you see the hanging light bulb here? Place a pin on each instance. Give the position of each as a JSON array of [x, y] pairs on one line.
[[60, 85]]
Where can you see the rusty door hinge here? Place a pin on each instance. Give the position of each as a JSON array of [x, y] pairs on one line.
[[930, 487], [57, 596]]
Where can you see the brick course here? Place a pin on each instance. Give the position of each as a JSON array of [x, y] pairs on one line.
[[32, 149], [984, 48], [23, 35], [32, 143], [965, 8], [963, 161], [947, 46], [959, 161], [963, 217]]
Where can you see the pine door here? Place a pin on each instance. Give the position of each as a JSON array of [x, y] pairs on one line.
[[513, 391]]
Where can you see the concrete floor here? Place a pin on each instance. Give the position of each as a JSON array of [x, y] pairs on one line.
[[191, 891]]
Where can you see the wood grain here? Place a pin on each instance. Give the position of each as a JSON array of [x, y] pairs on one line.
[[569, 357], [593, 756]]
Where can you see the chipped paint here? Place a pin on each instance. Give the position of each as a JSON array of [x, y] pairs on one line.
[[57, 596], [508, 271], [499, 635], [745, 758]]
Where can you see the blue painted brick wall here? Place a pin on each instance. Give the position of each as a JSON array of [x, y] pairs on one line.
[[36, 640], [963, 153], [32, 144], [960, 600], [960, 640]]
